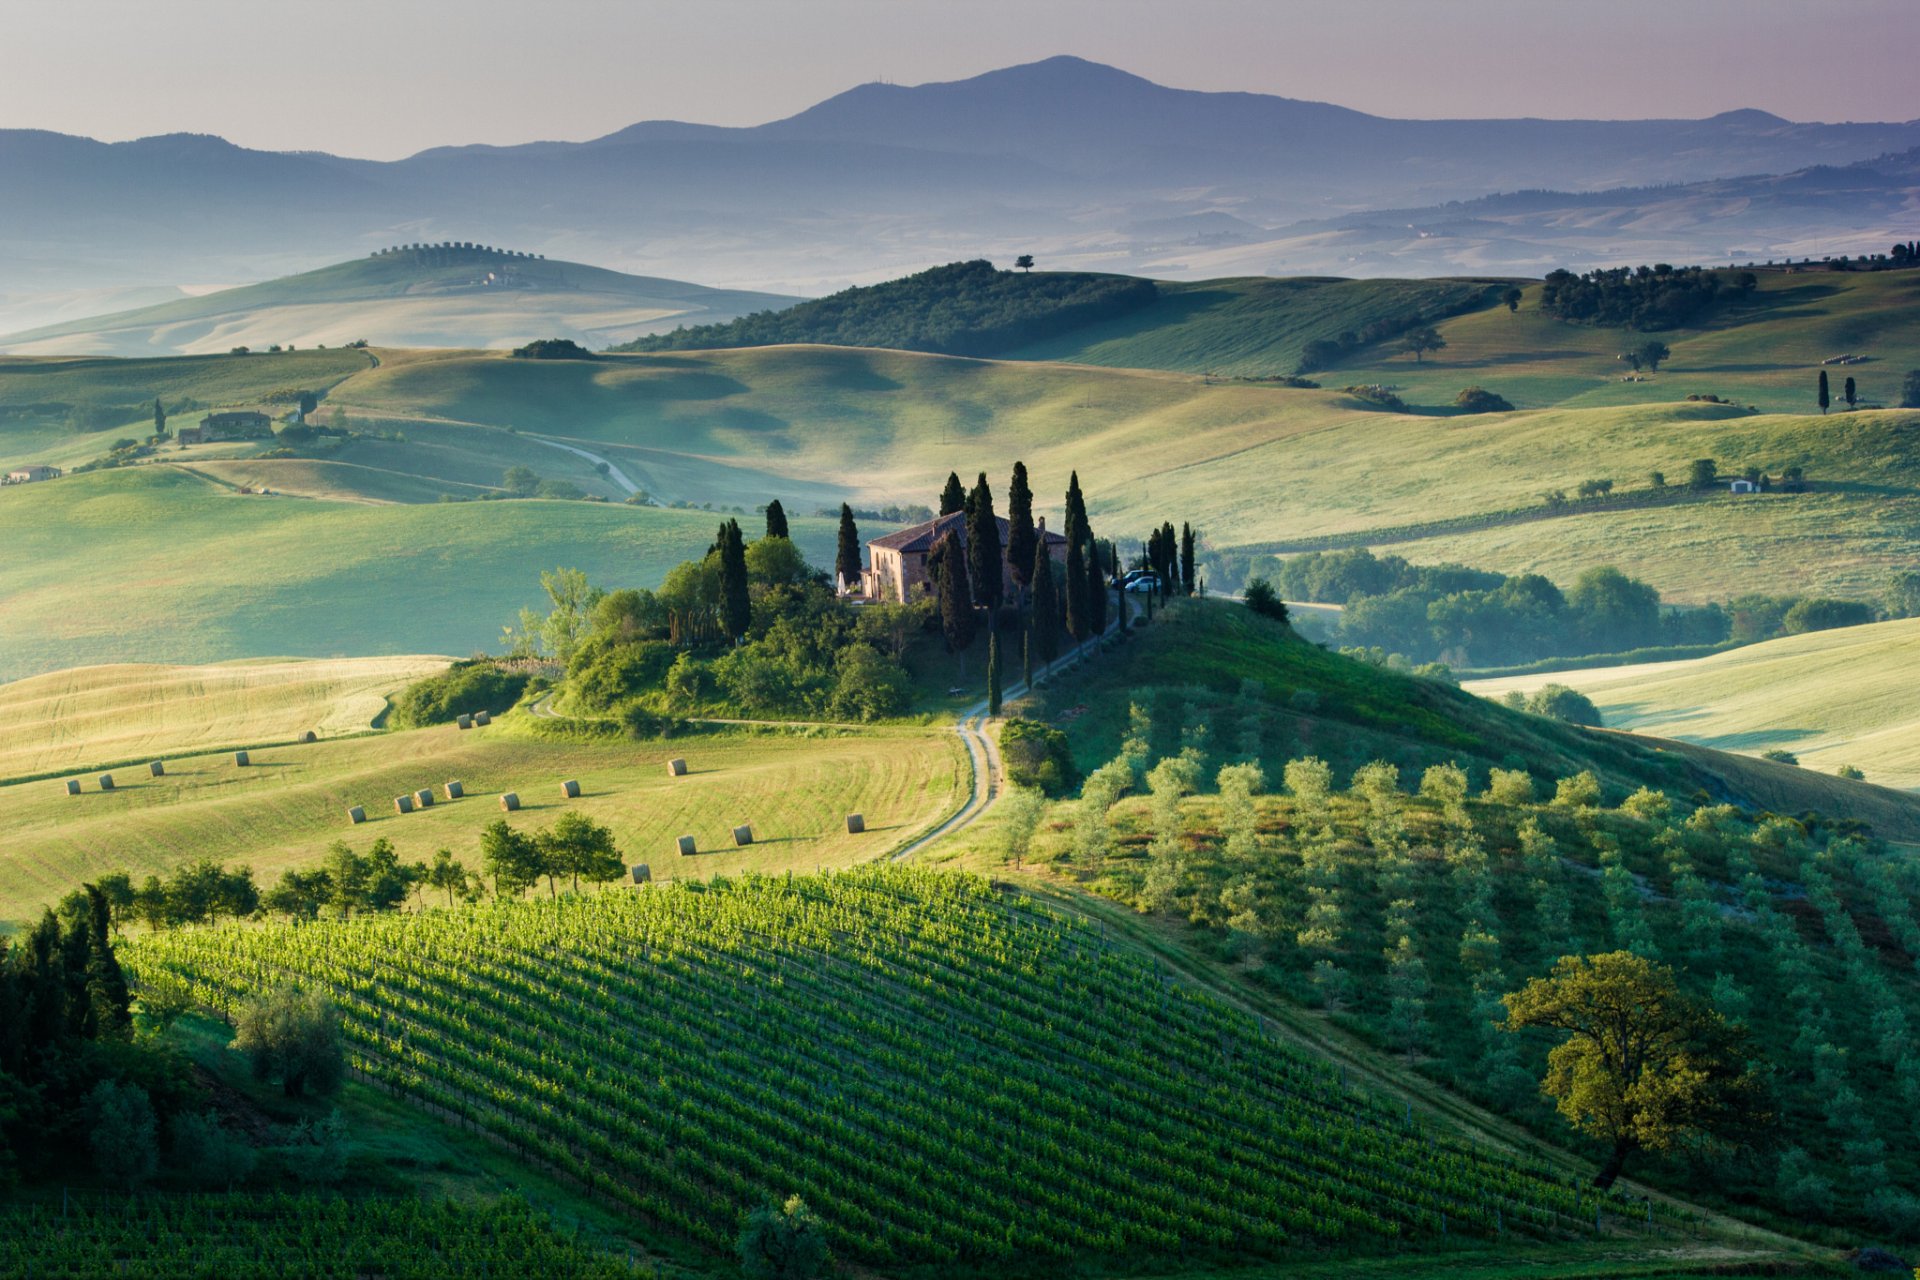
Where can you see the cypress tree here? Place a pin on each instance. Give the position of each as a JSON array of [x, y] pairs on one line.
[[993, 671], [1020, 530], [1186, 559], [1076, 507], [983, 546], [1096, 586], [1076, 589], [952, 498], [159, 417], [846, 562], [1026, 658], [1850, 393], [1825, 400], [777, 520], [956, 599], [1120, 598], [736, 608], [1044, 608], [106, 984]]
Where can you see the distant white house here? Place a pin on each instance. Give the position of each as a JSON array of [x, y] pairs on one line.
[[27, 475], [1744, 486]]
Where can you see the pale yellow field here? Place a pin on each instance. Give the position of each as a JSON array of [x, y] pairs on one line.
[[88, 716], [291, 803], [1831, 698]]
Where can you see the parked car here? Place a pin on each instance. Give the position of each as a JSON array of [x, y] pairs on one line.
[[1141, 583]]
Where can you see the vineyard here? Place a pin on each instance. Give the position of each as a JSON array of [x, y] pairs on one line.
[[317, 1237], [946, 1073]]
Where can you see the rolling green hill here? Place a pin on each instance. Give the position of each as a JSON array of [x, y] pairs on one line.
[[424, 298], [1831, 698], [157, 564]]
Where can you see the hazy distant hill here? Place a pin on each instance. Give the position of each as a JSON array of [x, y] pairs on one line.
[[1086, 165], [468, 297]]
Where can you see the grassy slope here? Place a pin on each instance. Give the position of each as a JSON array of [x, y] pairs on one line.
[[155, 564], [395, 301], [74, 719], [1247, 326], [284, 809], [1190, 664], [1832, 698]]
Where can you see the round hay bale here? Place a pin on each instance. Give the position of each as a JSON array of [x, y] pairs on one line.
[[309, 736], [455, 791], [242, 759], [424, 798], [743, 835], [570, 789], [510, 801], [686, 847], [403, 804], [464, 720], [356, 815], [158, 768], [481, 717], [73, 786], [106, 782], [642, 873], [856, 823], [676, 768]]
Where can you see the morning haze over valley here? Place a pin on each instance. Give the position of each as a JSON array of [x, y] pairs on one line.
[[804, 640]]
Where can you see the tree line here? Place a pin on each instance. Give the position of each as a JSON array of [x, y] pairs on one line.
[[1658, 297], [963, 308]]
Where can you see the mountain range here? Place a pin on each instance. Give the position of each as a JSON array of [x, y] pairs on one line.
[[1085, 164]]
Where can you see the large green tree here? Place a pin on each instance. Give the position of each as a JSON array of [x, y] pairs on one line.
[[953, 497], [1643, 1066], [983, 546], [736, 604], [777, 520], [846, 560], [294, 1035], [576, 846], [1020, 528]]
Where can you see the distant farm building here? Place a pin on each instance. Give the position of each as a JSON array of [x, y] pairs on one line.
[[897, 564], [1744, 486], [27, 475], [238, 424]]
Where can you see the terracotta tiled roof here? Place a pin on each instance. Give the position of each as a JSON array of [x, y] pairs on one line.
[[921, 537]]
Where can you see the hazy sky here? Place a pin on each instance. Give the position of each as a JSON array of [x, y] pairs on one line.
[[384, 78]]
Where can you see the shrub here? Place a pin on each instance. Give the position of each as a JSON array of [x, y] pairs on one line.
[[553, 349], [1557, 702], [465, 687], [1264, 600], [1580, 791], [1824, 615], [1780, 756], [1037, 755], [1849, 771], [1480, 400], [784, 1242], [1510, 786], [867, 686]]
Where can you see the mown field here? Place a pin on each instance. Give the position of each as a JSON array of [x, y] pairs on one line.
[[159, 565], [795, 788], [86, 716], [1831, 698]]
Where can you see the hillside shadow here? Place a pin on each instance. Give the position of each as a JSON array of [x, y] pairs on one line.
[[848, 376]]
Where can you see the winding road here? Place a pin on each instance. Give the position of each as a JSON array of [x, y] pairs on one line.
[[614, 473]]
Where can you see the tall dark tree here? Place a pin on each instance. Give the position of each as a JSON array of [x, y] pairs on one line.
[[777, 520], [736, 607], [1512, 298], [1186, 559], [846, 560], [1097, 565], [952, 498], [1825, 398], [1076, 509], [1850, 393], [1078, 625], [949, 566], [159, 417], [993, 671], [1043, 611], [1020, 530], [983, 546], [1026, 658], [107, 996]]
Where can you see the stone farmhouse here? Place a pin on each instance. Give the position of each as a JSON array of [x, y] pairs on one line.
[[27, 475], [897, 563], [232, 424]]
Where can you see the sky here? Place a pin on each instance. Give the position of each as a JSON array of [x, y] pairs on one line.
[[386, 78]]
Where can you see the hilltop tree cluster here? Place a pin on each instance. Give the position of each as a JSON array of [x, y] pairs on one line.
[[1657, 297], [1473, 617], [962, 309]]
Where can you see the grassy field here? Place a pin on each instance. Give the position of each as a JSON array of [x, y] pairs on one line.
[[1831, 698], [794, 788], [87, 716], [397, 300], [155, 564]]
